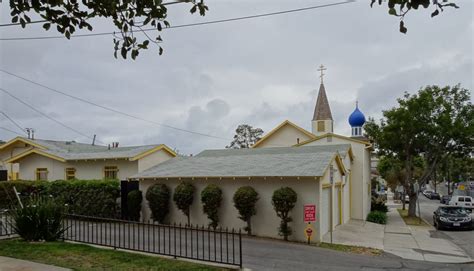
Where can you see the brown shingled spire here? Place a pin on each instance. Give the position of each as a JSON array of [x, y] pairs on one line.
[[322, 111]]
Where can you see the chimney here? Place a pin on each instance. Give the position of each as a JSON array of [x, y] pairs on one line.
[[93, 140], [116, 144], [108, 146], [297, 140]]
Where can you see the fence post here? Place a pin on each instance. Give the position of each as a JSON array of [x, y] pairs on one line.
[[240, 247]]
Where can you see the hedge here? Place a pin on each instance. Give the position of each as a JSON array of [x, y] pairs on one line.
[[83, 197], [377, 217]]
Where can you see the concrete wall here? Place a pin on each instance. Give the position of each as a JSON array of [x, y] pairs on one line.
[[286, 136], [153, 159], [265, 222], [84, 169]]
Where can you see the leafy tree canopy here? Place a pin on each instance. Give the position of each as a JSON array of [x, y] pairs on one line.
[[211, 198], [129, 17], [245, 200], [245, 136], [400, 8], [183, 197]]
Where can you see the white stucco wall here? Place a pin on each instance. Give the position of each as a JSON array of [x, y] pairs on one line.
[[153, 159], [360, 169], [265, 222], [11, 151], [286, 136]]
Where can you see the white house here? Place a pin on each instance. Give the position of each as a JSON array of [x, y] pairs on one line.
[[38, 159], [286, 156]]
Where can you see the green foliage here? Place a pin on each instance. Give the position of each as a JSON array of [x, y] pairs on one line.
[[84, 197], [400, 8], [211, 198], [284, 200], [134, 204], [245, 199], [377, 217], [183, 197], [378, 204], [40, 219], [129, 17], [434, 123], [245, 136], [158, 197]]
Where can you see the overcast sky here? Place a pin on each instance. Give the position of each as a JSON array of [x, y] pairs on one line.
[[212, 78]]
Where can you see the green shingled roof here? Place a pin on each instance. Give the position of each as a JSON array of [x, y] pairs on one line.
[[306, 161]]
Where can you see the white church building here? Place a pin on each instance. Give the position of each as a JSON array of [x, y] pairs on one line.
[[325, 169]]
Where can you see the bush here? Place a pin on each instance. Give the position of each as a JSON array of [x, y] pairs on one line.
[[377, 217], [158, 196], [84, 197], [245, 199], [378, 204], [183, 197], [134, 204], [211, 198], [284, 200], [39, 220]]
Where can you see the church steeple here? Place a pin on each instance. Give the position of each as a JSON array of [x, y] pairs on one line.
[[322, 122]]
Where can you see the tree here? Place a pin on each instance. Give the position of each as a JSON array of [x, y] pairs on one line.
[[158, 197], [400, 8], [284, 200], [245, 199], [134, 204], [183, 197], [211, 198], [245, 136], [129, 18], [434, 124]]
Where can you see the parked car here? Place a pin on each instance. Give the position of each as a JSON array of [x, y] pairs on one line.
[[464, 201], [445, 199], [427, 193], [452, 217], [407, 199], [434, 195]]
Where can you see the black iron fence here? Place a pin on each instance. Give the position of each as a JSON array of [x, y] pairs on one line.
[[6, 225], [222, 246]]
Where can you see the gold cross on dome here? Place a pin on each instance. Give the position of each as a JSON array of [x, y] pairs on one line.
[[321, 69]]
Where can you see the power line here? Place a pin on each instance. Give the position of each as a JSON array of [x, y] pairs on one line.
[[11, 131], [187, 25], [111, 109], [13, 121], [45, 115], [32, 22]]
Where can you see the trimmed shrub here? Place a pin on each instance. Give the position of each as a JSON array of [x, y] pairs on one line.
[[183, 197], [245, 199], [211, 198], [158, 197], [377, 217], [378, 204], [84, 197], [134, 204], [284, 200], [39, 220]]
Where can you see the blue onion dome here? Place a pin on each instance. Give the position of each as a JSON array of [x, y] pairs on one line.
[[357, 118]]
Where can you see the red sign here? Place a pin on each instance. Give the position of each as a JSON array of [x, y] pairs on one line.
[[309, 213], [309, 232]]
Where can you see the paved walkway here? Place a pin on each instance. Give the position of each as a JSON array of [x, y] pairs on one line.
[[407, 242], [11, 264]]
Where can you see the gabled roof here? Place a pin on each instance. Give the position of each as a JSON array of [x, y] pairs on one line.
[[310, 161], [70, 150], [367, 143], [322, 110], [283, 124]]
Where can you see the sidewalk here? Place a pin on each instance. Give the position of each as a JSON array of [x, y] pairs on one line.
[[11, 264], [408, 242]]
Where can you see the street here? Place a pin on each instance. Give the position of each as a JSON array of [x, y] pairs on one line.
[[464, 239]]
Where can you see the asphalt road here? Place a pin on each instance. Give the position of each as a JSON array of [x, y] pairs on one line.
[[464, 239], [257, 253]]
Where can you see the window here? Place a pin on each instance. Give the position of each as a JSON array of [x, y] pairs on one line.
[[41, 174], [110, 172], [70, 173], [321, 126]]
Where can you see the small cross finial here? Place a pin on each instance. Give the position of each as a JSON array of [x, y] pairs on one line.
[[322, 69], [357, 103]]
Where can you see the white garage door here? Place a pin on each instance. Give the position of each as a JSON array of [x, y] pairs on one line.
[[337, 202], [325, 215]]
